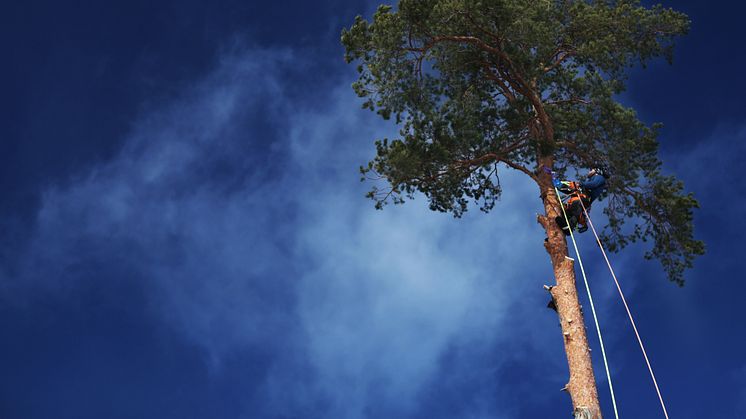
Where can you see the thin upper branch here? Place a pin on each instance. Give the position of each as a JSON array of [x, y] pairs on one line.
[[564, 55], [570, 100], [583, 155], [489, 33], [481, 160], [509, 95]]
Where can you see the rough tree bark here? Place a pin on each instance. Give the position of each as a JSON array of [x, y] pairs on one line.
[[582, 383]]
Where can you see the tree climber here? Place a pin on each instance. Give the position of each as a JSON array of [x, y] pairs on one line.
[[577, 192]]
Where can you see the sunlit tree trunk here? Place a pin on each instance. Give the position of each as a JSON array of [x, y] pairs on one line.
[[582, 383]]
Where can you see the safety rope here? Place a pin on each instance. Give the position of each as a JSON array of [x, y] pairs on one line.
[[629, 313], [593, 308]]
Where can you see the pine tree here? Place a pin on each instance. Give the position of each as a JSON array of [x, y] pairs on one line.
[[529, 84]]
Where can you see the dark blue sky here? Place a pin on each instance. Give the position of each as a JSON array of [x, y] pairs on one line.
[[184, 234]]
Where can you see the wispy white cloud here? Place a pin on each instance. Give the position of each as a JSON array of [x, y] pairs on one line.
[[248, 236], [389, 292]]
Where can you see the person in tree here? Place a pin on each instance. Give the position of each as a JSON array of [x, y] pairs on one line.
[[474, 86], [580, 194]]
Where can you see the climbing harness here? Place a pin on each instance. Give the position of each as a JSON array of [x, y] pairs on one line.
[[590, 299], [574, 195], [629, 313]]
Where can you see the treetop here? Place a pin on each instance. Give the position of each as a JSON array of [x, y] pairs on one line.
[[475, 84]]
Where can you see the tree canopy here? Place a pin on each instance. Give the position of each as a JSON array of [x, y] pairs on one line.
[[529, 84]]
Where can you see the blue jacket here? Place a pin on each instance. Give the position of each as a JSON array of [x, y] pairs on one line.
[[594, 186]]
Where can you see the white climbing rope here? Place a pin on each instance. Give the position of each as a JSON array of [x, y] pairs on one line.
[[593, 308], [629, 313]]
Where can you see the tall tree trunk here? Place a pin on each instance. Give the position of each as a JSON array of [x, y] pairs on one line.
[[582, 383]]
